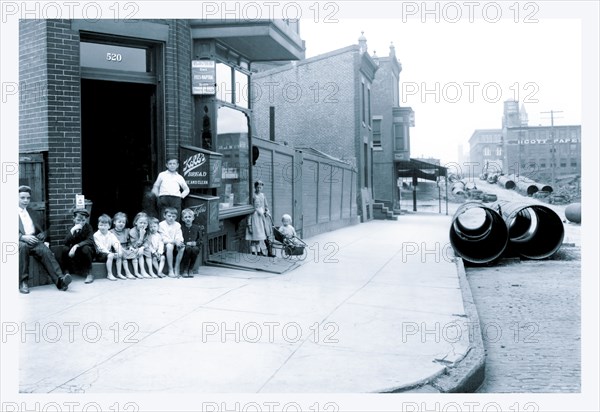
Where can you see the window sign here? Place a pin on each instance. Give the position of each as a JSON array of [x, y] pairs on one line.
[[201, 168], [109, 56], [203, 77]]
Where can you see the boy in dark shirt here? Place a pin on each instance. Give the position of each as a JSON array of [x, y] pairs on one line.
[[192, 238], [78, 248]]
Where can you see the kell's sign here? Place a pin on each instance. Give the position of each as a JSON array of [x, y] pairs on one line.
[[201, 168]]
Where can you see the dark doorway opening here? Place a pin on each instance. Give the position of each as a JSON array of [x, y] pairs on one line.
[[118, 164]]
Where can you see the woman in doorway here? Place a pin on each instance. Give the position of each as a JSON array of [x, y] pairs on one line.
[[259, 227]]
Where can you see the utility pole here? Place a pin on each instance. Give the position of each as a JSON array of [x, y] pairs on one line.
[[552, 148]]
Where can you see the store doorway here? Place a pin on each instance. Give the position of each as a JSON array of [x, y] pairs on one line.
[[118, 146]]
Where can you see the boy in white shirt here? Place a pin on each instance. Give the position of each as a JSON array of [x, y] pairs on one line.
[[172, 237], [107, 247], [170, 187]]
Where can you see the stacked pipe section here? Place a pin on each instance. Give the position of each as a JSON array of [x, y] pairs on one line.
[[506, 182], [534, 231], [478, 234], [522, 183], [481, 234]]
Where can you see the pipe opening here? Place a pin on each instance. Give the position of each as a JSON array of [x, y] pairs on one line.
[[535, 231], [478, 234]]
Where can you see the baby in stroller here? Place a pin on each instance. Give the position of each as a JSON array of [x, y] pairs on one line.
[[286, 234], [287, 230]]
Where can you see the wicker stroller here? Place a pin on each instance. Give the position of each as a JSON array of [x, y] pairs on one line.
[[290, 246]]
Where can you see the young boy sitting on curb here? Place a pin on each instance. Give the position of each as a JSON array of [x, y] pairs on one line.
[[107, 247], [77, 250]]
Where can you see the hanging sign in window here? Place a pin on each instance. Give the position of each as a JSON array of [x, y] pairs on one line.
[[203, 77]]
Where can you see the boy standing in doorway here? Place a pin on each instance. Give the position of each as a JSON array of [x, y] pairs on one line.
[[170, 188]]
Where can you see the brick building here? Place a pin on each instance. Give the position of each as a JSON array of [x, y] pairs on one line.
[[486, 152], [104, 104], [391, 130], [542, 153], [323, 103]]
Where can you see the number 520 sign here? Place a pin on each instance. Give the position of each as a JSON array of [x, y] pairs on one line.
[[114, 57]]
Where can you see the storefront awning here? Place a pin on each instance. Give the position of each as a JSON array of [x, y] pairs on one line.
[[416, 169], [258, 40], [419, 169]]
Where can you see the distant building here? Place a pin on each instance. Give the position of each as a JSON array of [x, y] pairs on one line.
[[323, 103], [486, 152], [542, 153]]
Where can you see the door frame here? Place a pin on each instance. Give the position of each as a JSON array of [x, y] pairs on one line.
[[153, 77]]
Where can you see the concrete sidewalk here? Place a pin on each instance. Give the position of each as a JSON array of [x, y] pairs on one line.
[[377, 307]]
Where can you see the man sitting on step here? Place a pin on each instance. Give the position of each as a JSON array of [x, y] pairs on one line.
[[31, 243]]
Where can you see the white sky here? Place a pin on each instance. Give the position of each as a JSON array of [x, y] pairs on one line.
[[536, 63]]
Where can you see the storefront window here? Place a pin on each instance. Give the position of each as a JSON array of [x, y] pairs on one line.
[[224, 83], [233, 143], [233, 86], [241, 89]]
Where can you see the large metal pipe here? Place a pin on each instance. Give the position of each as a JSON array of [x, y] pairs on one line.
[[470, 186], [544, 188], [534, 231], [506, 182], [478, 233], [573, 212], [458, 188], [527, 187]]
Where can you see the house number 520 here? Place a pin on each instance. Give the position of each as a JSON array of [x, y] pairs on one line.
[[114, 57]]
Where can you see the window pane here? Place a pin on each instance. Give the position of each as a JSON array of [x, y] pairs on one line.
[[241, 89], [376, 132], [232, 142], [399, 136], [224, 83], [362, 102], [369, 105], [376, 125]]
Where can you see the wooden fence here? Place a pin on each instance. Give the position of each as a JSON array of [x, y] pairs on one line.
[[319, 192]]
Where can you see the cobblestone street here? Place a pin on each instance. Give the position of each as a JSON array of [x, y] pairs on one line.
[[531, 324]]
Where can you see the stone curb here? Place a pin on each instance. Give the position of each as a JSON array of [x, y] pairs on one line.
[[467, 374]]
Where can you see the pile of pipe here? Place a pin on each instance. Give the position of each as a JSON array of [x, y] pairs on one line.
[[523, 184], [481, 234], [468, 189]]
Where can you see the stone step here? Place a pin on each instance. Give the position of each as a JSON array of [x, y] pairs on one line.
[[382, 212]]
